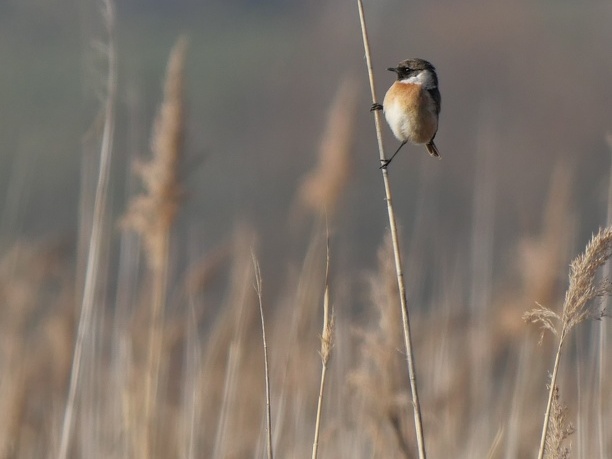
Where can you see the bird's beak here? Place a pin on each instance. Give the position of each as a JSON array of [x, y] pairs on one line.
[[393, 69]]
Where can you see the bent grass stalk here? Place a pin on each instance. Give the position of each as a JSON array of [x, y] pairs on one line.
[[418, 423]]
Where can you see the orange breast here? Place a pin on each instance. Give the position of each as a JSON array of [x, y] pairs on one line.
[[410, 112]]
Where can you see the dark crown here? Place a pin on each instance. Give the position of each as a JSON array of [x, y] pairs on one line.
[[412, 66]]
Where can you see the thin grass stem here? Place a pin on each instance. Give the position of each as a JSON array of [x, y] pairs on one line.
[[601, 386], [259, 291], [326, 346]]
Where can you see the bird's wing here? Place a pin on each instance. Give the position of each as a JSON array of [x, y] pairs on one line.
[[435, 95]]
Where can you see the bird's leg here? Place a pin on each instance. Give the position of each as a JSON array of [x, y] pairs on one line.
[[386, 162], [376, 107]]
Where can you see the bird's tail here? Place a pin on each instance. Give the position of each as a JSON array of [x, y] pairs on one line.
[[432, 149]]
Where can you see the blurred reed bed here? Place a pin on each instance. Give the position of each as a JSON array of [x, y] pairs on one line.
[[168, 372]]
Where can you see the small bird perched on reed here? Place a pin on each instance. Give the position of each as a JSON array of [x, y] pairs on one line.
[[412, 105]]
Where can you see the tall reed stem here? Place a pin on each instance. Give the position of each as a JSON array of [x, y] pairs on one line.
[[95, 238], [418, 423], [601, 387], [551, 393], [327, 337], [259, 291], [159, 278]]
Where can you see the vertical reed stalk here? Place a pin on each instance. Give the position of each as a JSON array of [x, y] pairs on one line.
[[155, 341], [258, 290], [418, 423], [326, 346], [95, 238], [551, 394], [601, 386]]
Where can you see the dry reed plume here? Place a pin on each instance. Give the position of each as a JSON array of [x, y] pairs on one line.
[[320, 190], [577, 307], [560, 430], [151, 215]]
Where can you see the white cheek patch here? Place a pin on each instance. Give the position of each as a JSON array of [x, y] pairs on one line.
[[424, 78]]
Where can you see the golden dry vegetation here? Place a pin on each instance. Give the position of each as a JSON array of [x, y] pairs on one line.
[[152, 353]]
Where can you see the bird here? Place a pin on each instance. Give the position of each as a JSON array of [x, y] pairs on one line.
[[412, 105]]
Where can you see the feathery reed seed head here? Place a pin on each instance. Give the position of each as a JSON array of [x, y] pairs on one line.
[[559, 430], [322, 187], [583, 289], [327, 340], [152, 213]]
